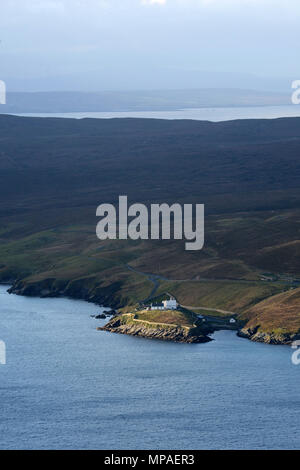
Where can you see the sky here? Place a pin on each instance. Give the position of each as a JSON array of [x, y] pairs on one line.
[[149, 44]]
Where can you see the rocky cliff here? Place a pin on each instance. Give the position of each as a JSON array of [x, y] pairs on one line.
[[275, 320], [162, 332], [260, 336]]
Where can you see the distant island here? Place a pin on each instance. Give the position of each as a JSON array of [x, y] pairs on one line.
[[147, 100]]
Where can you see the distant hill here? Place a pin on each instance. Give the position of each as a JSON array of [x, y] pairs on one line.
[[230, 166], [63, 102]]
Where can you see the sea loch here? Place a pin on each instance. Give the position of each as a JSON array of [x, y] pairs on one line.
[[67, 386]]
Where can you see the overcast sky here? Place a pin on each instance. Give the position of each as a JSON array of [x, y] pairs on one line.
[[148, 44]]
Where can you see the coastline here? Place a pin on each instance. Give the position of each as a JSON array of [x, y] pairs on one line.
[[84, 376], [159, 331], [49, 288], [275, 339]]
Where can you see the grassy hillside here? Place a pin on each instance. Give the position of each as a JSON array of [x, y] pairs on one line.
[[171, 317], [54, 173]]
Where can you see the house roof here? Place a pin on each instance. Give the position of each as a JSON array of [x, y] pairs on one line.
[[157, 305]]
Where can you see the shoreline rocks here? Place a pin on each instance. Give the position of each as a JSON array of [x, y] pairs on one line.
[[176, 334], [254, 334], [51, 287]]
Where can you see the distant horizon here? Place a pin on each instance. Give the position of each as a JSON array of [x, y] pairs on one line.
[[150, 90], [198, 81], [61, 101]]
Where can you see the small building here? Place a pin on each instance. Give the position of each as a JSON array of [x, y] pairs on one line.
[[157, 306], [232, 320], [170, 304]]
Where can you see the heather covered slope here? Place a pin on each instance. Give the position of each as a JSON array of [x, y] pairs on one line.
[[276, 319], [230, 166]]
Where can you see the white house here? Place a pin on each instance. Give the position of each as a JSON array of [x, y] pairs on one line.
[[170, 304], [157, 307]]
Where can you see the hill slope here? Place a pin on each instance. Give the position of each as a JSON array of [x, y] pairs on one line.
[[55, 172], [275, 320]]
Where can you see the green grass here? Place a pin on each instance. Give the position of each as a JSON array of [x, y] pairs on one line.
[[174, 317], [212, 313], [225, 295]]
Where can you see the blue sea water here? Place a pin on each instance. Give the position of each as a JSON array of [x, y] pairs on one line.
[[68, 386]]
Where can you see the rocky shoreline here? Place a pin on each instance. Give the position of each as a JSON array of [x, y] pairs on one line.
[[254, 334], [175, 334], [48, 288]]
